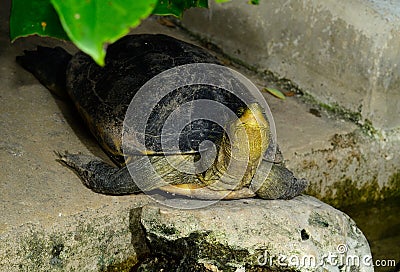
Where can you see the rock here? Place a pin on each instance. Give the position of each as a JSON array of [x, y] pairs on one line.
[[302, 234]]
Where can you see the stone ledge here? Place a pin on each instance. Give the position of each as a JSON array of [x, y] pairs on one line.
[[250, 235], [87, 241], [225, 236]]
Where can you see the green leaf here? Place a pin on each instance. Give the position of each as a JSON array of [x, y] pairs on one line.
[[90, 24], [254, 2], [275, 93], [34, 17], [93, 24], [177, 7]]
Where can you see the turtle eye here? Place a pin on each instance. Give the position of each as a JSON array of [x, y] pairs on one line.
[[240, 111]]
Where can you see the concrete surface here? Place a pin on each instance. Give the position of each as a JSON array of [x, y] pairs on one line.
[[343, 53], [45, 209]]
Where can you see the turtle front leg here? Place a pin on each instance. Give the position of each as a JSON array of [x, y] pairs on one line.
[[99, 176], [280, 182]]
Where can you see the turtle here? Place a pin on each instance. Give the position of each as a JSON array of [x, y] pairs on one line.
[[102, 96]]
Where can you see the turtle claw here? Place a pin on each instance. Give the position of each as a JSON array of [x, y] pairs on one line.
[[61, 156], [72, 160]]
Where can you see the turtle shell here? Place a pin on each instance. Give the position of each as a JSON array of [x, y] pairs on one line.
[[103, 94]]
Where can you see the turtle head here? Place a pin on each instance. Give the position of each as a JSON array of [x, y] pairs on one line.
[[240, 151], [249, 135]]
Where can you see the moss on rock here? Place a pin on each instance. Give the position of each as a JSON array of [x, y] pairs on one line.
[[348, 192]]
